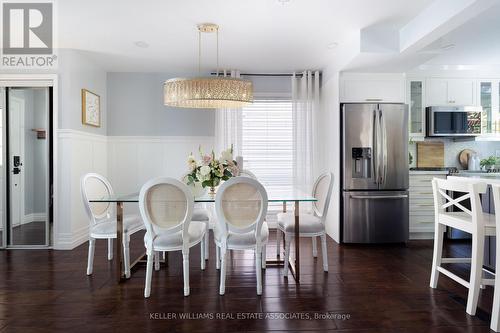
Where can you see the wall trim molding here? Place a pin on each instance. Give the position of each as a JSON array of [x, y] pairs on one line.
[[76, 134], [160, 139], [34, 217], [71, 240]]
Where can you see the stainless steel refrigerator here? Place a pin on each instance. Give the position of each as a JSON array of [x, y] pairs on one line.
[[375, 173]]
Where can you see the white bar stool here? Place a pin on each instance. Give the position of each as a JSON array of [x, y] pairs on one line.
[[472, 221], [495, 311]]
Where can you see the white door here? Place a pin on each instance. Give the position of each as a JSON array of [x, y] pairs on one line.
[[16, 158]]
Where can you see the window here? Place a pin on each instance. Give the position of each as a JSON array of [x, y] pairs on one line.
[[267, 141]]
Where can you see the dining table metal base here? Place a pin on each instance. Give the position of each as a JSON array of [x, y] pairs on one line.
[[293, 264]]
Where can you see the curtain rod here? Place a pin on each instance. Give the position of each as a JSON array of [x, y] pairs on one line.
[[267, 74]]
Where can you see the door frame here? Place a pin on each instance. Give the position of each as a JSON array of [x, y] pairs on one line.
[[37, 80]]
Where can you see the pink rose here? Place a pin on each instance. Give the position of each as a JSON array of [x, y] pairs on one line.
[[207, 159]]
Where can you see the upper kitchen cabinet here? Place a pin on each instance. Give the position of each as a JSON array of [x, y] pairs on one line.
[[416, 104], [372, 88], [489, 99], [450, 92]]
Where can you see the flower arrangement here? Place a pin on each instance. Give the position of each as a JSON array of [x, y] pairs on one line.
[[209, 171]]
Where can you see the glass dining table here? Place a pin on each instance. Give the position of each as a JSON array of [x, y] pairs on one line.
[[275, 195]]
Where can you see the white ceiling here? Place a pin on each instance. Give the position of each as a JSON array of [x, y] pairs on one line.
[[257, 35], [476, 43]]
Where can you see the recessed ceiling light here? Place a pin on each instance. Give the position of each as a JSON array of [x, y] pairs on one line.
[[284, 2], [141, 44], [332, 45]]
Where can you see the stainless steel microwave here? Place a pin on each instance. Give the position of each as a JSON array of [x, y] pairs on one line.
[[453, 120]]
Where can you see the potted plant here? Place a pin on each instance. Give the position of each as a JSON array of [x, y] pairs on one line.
[[489, 163]]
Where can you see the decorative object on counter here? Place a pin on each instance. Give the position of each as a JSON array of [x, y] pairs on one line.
[[489, 163], [430, 154], [210, 171], [91, 108], [474, 163], [464, 158]]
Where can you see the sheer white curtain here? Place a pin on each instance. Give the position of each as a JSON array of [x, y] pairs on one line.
[[305, 104], [228, 127]]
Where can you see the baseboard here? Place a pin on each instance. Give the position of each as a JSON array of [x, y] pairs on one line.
[[421, 235], [34, 217], [69, 241]]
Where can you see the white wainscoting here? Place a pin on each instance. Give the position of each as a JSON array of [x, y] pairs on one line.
[[128, 162], [133, 160], [79, 153]]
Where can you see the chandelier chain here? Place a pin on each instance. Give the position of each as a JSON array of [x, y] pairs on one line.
[[199, 51], [217, 38]]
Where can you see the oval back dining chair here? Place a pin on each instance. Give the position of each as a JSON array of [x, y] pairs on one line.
[[166, 206], [241, 206], [201, 213], [311, 225], [472, 221], [102, 217]]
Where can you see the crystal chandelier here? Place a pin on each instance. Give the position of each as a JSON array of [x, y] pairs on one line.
[[217, 92]]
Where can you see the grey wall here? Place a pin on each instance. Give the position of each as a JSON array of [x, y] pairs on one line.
[[77, 71], [135, 106]]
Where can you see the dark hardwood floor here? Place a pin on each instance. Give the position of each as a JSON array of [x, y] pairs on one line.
[[368, 289], [32, 233]]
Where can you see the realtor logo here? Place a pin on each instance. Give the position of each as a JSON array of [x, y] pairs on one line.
[[27, 30]]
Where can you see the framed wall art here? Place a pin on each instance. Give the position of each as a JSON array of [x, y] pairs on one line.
[[91, 108]]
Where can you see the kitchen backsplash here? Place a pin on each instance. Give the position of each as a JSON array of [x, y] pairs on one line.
[[453, 148]]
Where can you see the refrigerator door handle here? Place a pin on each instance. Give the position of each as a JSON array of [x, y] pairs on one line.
[[383, 136], [399, 196], [375, 162]]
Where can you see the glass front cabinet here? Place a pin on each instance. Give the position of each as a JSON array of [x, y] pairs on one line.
[[416, 99], [489, 99]]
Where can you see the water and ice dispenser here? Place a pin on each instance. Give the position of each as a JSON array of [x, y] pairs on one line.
[[361, 162]]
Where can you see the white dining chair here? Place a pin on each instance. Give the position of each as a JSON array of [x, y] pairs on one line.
[[311, 224], [201, 213], [472, 221], [495, 311], [241, 206], [102, 217], [166, 206]]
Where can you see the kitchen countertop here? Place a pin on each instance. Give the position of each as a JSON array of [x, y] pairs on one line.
[[490, 178], [466, 173], [427, 172]]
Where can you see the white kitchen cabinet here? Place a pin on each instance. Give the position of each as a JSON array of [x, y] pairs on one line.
[[422, 203], [489, 98], [375, 88], [450, 92], [415, 89]]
